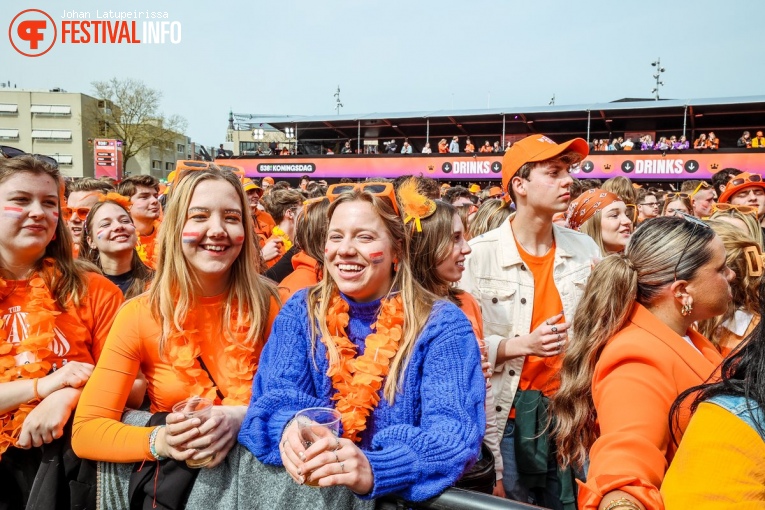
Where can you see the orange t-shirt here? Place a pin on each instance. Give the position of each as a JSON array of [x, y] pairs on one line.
[[540, 373], [80, 333], [264, 224], [302, 276], [147, 247], [472, 311]]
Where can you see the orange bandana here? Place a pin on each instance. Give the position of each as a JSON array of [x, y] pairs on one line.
[[587, 204]]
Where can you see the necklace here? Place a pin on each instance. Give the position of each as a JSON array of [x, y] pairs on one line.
[[358, 380]]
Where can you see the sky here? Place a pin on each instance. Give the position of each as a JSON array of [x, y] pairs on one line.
[[288, 57]]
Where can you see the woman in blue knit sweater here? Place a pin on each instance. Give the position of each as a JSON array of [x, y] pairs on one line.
[[401, 365]]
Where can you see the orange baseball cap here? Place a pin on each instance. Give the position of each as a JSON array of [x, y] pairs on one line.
[[739, 182], [269, 180], [474, 188], [495, 192], [249, 185], [536, 148]]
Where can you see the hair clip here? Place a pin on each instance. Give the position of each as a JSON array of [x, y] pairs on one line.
[[415, 205]]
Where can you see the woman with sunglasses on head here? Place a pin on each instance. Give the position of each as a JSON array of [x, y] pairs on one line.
[[604, 217], [632, 352], [109, 240], [676, 204], [198, 331], [56, 315], [744, 257], [439, 247], [400, 364], [720, 462]]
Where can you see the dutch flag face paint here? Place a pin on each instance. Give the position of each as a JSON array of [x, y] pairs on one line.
[[190, 237], [377, 257], [13, 212]]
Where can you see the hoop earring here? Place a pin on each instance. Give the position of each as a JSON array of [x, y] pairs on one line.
[[686, 309]]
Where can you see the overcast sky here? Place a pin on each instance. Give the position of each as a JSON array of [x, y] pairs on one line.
[[288, 57]]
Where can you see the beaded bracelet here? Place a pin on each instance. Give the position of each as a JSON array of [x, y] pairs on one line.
[[153, 443], [622, 503]]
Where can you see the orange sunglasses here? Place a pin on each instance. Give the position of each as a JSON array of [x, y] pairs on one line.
[[81, 212], [378, 189], [743, 209]]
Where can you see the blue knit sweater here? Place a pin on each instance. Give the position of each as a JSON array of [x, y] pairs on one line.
[[418, 446]]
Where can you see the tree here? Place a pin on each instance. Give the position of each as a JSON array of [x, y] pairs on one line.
[[129, 110]]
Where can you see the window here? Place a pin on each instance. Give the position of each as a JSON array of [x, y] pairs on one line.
[[9, 134], [252, 148], [51, 134], [51, 110], [103, 128], [180, 148], [63, 159], [9, 109], [156, 164], [169, 166]]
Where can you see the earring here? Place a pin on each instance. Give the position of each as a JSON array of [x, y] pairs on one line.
[[686, 309], [395, 264]]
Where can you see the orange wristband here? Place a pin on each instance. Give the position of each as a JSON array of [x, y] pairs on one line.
[[34, 388]]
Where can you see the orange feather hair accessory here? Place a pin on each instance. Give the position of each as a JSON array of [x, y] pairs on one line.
[[415, 205], [116, 197]]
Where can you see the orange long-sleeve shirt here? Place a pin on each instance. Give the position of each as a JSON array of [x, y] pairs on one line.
[[302, 276], [147, 246], [132, 345], [640, 373]]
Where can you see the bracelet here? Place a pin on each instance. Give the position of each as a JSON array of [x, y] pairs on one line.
[[622, 503], [37, 397], [153, 443]]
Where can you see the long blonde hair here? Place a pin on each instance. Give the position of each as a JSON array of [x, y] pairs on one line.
[[172, 293], [615, 285], [70, 283], [418, 302], [745, 288], [490, 215]]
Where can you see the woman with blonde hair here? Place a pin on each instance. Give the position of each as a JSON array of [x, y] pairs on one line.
[[743, 217], [198, 332], [633, 351], [109, 239], [677, 203], [603, 216], [56, 314], [490, 215], [371, 343], [622, 187], [744, 257]]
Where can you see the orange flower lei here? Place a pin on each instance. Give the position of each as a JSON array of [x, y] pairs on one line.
[[358, 380], [183, 353], [40, 309]]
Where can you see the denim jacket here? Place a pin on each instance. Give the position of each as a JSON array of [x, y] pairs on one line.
[[499, 280]]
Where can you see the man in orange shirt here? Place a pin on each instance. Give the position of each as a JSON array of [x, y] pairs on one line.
[[528, 275], [143, 192]]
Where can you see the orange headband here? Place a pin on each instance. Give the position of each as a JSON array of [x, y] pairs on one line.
[[587, 204]]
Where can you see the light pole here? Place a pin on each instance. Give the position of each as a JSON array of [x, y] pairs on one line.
[[657, 77]]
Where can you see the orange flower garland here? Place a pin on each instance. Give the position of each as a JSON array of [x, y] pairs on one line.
[[183, 353], [358, 380], [40, 309]]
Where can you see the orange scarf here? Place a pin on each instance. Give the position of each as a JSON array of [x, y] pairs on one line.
[[358, 380]]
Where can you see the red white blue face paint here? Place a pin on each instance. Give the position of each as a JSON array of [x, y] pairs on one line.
[[239, 239], [100, 233], [377, 257], [55, 214], [13, 212], [190, 237]]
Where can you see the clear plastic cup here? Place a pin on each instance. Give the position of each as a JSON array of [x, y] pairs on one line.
[[315, 423], [196, 407]]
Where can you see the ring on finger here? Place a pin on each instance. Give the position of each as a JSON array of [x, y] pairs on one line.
[[337, 444], [554, 329], [337, 459], [342, 467], [560, 338]]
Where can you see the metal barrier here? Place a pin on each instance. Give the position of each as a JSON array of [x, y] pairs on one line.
[[456, 499]]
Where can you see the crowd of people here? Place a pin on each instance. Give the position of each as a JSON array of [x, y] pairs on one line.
[[597, 345]]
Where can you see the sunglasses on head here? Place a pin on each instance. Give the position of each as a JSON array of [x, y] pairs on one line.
[[738, 181], [696, 223], [81, 212], [743, 209], [674, 195], [13, 152], [754, 262], [702, 185], [378, 189]]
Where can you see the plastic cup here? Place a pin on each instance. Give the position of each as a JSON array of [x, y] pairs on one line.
[[316, 423], [196, 407]]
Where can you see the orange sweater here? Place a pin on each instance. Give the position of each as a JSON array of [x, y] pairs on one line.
[[80, 333], [641, 371], [304, 275], [147, 246], [133, 345]]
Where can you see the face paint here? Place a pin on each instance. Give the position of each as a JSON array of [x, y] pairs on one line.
[[377, 257], [239, 239], [190, 237], [55, 214], [13, 212], [100, 233]]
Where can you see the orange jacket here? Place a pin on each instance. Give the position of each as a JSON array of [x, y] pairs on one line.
[[641, 371], [443, 148], [304, 275]]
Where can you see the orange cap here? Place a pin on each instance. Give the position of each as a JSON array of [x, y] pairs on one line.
[[249, 185], [474, 188], [536, 148], [269, 180], [738, 182], [495, 192]]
